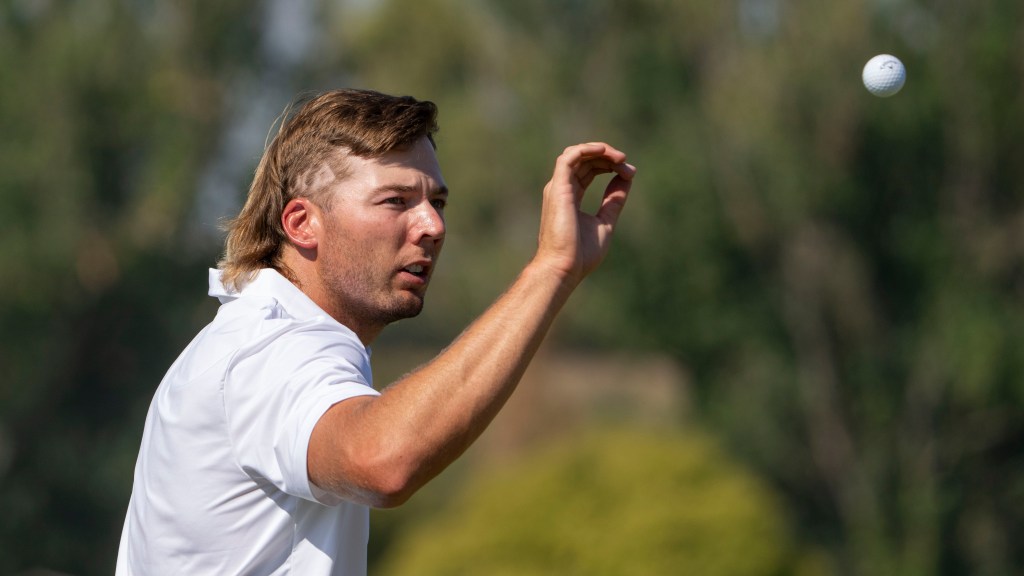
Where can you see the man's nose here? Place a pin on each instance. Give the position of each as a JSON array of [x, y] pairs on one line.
[[429, 222]]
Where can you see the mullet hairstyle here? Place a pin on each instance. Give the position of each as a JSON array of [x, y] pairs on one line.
[[362, 123]]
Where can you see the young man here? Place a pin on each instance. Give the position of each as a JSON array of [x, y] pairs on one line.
[[266, 443]]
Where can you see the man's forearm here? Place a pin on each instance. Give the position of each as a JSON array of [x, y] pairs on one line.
[[380, 450], [437, 411]]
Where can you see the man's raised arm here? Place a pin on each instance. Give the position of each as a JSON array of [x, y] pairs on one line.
[[378, 450]]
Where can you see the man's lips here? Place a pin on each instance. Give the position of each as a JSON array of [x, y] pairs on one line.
[[419, 270]]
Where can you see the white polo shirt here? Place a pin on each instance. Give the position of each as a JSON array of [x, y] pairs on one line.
[[221, 485]]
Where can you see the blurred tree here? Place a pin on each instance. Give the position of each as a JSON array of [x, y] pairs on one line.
[[841, 273], [617, 501], [109, 112]]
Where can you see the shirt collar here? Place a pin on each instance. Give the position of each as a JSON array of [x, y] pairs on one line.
[[269, 282]]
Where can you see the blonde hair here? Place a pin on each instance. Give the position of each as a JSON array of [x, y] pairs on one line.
[[362, 123]]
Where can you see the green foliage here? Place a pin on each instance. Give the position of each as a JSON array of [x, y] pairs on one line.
[[840, 274], [610, 502], [109, 112]]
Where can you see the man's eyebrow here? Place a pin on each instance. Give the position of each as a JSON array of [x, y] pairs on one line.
[[405, 189]]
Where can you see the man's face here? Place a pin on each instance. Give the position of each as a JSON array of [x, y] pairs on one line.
[[382, 236]]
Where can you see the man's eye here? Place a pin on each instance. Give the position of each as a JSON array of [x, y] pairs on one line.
[[439, 204], [396, 200]]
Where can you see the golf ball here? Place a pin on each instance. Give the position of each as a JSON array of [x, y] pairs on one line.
[[884, 75]]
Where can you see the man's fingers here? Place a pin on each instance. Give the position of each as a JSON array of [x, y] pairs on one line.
[[573, 157], [615, 196], [586, 174], [590, 170], [579, 164]]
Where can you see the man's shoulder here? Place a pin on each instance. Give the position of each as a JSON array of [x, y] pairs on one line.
[[265, 317], [269, 301], [262, 331]]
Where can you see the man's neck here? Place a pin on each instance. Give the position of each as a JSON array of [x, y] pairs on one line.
[[301, 272]]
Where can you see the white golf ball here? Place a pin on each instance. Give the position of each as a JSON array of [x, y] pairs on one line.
[[884, 75]]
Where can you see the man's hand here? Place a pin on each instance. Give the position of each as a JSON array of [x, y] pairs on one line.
[[572, 242]]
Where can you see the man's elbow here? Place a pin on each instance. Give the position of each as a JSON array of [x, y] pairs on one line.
[[379, 481], [390, 489]]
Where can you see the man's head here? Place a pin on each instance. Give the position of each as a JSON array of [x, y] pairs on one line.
[[317, 141]]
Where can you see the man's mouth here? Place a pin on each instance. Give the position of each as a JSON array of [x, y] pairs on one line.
[[415, 270]]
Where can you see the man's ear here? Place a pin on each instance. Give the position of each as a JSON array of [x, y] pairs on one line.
[[301, 221]]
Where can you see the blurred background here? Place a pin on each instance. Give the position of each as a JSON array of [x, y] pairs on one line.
[[797, 360]]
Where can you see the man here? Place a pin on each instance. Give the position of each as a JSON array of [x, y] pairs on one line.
[[266, 443]]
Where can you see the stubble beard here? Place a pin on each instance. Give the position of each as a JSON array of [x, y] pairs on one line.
[[362, 289], [355, 298]]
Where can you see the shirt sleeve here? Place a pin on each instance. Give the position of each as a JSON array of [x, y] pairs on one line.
[[276, 390]]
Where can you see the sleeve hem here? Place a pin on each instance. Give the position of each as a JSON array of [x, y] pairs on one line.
[[299, 483]]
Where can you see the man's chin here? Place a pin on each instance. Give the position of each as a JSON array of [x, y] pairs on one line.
[[409, 307]]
